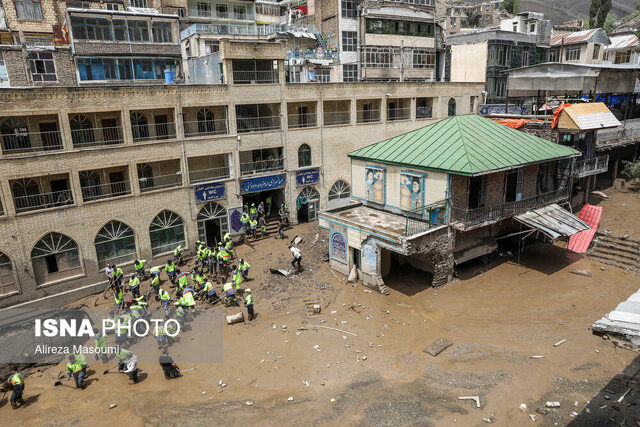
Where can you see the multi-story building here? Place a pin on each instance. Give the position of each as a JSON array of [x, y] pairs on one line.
[[474, 182], [583, 47], [129, 172], [484, 55], [529, 23], [624, 49]]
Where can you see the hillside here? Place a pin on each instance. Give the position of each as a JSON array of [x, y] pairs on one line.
[[565, 10]]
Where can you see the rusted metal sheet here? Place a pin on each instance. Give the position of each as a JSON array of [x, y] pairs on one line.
[[61, 35], [553, 221]]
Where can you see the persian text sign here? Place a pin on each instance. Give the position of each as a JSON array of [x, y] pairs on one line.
[[208, 192], [308, 176], [263, 183]]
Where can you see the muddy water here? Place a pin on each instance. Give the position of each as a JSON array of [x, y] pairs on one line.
[[496, 316]]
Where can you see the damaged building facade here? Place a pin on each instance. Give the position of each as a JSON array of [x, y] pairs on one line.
[[443, 194], [130, 171]]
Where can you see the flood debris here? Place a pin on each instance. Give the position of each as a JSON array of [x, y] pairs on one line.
[[113, 405], [552, 404], [581, 272], [474, 398], [536, 356], [235, 318], [437, 347], [621, 398], [559, 343], [281, 272], [304, 328]]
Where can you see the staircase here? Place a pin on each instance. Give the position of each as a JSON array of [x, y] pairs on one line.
[[616, 251], [321, 41]]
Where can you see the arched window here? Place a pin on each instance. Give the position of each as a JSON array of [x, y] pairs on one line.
[[340, 193], [115, 244], [139, 125], [212, 223], [166, 232], [55, 257], [8, 282], [145, 175], [304, 155], [26, 193], [81, 131], [90, 184], [206, 123], [452, 107], [15, 135], [308, 204]]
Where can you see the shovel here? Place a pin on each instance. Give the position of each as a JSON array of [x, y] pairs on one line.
[[57, 383], [108, 371]]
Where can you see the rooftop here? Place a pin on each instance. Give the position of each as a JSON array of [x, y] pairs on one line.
[[596, 35], [464, 145], [589, 116]]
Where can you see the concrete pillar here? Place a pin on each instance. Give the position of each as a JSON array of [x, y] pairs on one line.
[[126, 126], [65, 130], [5, 190], [76, 189]]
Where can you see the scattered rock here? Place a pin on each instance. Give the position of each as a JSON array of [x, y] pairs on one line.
[[290, 399], [113, 405], [437, 347], [552, 404], [581, 273], [249, 402], [523, 407]]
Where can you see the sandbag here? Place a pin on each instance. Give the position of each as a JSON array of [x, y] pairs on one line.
[[235, 318]]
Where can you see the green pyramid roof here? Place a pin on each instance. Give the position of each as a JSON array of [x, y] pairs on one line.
[[464, 145]]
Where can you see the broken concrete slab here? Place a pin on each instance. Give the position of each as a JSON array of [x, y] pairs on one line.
[[285, 273], [437, 347]]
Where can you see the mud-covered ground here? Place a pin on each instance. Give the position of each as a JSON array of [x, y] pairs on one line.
[[496, 316]]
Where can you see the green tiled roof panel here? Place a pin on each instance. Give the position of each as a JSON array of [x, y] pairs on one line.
[[464, 145]]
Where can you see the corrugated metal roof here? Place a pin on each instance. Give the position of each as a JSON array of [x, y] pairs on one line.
[[464, 145], [577, 37], [592, 116], [623, 42], [624, 320], [553, 221]]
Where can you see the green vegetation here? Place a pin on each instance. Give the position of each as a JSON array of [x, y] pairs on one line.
[[631, 170], [598, 13], [513, 6]]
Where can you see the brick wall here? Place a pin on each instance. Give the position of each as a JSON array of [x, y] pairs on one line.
[[15, 67], [125, 48], [458, 191], [495, 189], [50, 13], [530, 180]]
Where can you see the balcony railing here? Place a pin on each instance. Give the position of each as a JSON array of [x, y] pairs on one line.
[[470, 217], [256, 124], [206, 127], [368, 116], [97, 136], [228, 29], [105, 191], [319, 53], [253, 77], [337, 117], [424, 112], [211, 174], [297, 121], [592, 166], [153, 131], [249, 168], [426, 217], [217, 14], [418, 2], [28, 142], [160, 181], [403, 113], [43, 201]]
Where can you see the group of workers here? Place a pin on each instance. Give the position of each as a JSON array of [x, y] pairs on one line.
[[254, 218]]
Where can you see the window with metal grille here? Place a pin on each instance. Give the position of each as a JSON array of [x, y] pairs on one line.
[[350, 73], [42, 67], [349, 41], [29, 10], [115, 244], [304, 155], [349, 8], [162, 32], [166, 232]]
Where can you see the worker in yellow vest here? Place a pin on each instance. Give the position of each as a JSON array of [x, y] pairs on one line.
[[248, 302], [17, 382], [170, 269], [134, 285], [75, 368]]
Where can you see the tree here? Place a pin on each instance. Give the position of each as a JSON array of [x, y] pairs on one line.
[[631, 170], [473, 18], [609, 23], [512, 6], [598, 12]]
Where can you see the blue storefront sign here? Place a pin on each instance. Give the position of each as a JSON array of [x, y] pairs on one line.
[[308, 176], [263, 183], [208, 192]]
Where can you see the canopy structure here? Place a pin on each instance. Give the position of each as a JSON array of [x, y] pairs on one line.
[[554, 78], [553, 221]]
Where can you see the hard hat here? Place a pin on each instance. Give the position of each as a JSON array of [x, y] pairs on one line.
[[248, 290]]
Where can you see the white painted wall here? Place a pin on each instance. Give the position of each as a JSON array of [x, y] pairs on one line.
[[469, 62]]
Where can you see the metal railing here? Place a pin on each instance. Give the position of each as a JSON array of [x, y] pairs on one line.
[[27, 142], [255, 77], [43, 201], [228, 29], [424, 112], [216, 14], [337, 117], [153, 131], [494, 213], [211, 174], [426, 217], [97, 136], [256, 124], [368, 116], [160, 181], [258, 166], [403, 113], [297, 121], [206, 127], [319, 53], [418, 2], [105, 191], [592, 166]]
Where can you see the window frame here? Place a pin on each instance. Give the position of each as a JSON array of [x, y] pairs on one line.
[[37, 13], [350, 74], [349, 41], [348, 8], [33, 64]]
